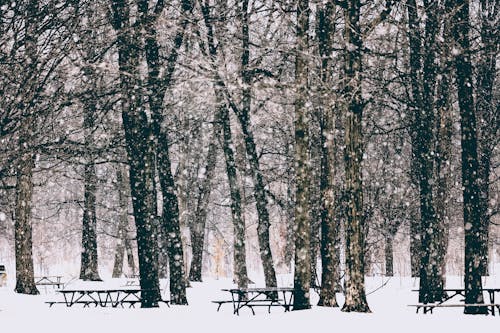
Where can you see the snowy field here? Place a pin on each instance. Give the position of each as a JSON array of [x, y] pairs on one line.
[[387, 299]]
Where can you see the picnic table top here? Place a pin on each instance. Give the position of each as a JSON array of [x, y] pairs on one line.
[[259, 290], [129, 290], [463, 289]]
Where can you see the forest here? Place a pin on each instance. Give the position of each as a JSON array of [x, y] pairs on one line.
[[190, 139]]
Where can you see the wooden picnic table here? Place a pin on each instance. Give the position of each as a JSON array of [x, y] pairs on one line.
[[50, 280], [252, 297], [454, 292], [101, 297]]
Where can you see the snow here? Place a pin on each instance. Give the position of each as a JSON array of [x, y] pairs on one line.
[[390, 313]]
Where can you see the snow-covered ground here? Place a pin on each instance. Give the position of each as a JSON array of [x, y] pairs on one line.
[[390, 313]]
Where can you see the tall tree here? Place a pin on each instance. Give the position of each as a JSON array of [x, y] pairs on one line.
[[243, 114], [123, 243], [423, 71], [487, 114], [354, 104], [330, 265], [459, 10], [139, 150], [89, 263], [302, 274], [222, 127], [158, 86], [25, 282]]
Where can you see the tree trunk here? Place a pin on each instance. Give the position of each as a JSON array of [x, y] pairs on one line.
[[443, 172], [389, 256], [223, 129], [170, 227], [423, 76], [25, 282], [89, 260], [259, 187], [138, 139], [487, 114], [355, 245], [329, 226], [472, 221], [122, 223], [236, 212], [89, 265], [302, 275], [197, 228]]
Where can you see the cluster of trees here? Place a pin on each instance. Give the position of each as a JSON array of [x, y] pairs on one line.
[[334, 120]]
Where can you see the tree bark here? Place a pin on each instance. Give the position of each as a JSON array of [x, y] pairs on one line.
[[122, 241], [25, 282], [472, 219], [302, 274], [89, 260], [329, 225], [487, 114], [389, 255], [355, 245], [223, 130], [423, 72], [138, 139], [197, 228]]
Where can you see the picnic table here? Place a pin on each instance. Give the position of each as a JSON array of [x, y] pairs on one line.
[[101, 297], [54, 280], [452, 293], [252, 297]]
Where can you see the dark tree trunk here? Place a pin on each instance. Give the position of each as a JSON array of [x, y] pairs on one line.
[[158, 85], [243, 115], [89, 267], [389, 256], [25, 282], [89, 260], [170, 225], [23, 242], [443, 162], [330, 262], [472, 221], [197, 227], [355, 245], [223, 128], [140, 153], [236, 212], [487, 116], [302, 274], [122, 223], [423, 72]]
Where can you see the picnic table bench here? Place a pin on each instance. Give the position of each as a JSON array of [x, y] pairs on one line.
[[54, 281], [452, 293], [102, 297], [257, 297]]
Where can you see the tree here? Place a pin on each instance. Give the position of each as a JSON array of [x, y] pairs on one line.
[[423, 71], [302, 274], [354, 104], [222, 128], [487, 115], [459, 10], [158, 86], [330, 223], [139, 151]]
